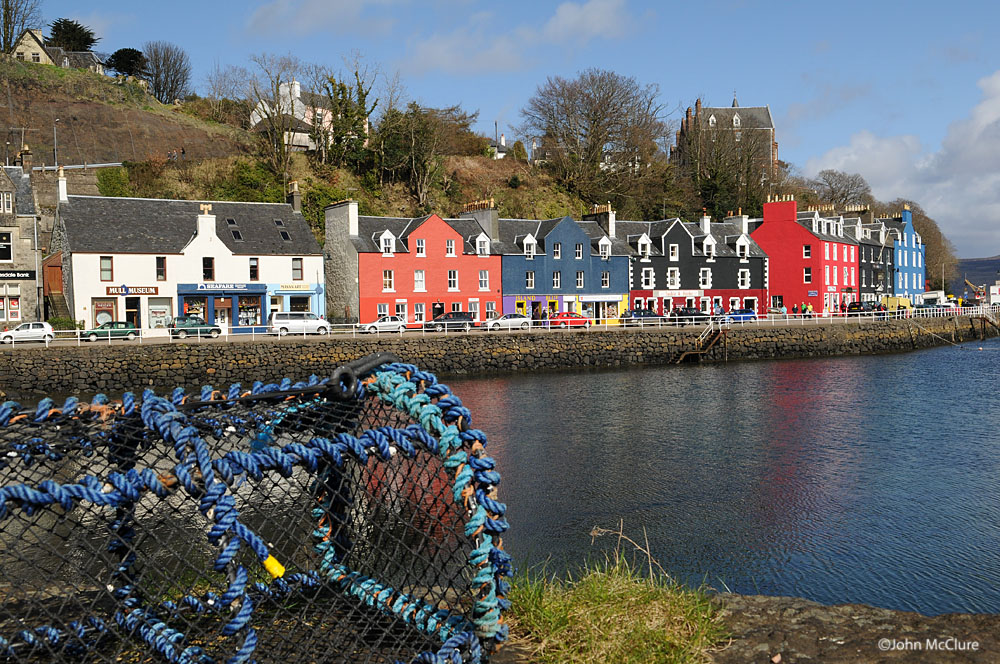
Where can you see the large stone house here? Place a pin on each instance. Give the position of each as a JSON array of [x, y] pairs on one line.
[[31, 48], [20, 280]]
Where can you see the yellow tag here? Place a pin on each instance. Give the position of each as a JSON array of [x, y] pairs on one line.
[[276, 569]]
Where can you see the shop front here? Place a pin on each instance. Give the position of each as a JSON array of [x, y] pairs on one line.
[[535, 307], [303, 297], [604, 309], [236, 307], [10, 304], [669, 300], [130, 303]]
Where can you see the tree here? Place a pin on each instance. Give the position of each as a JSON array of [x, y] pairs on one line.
[[597, 130], [939, 256], [227, 87], [16, 16], [345, 135], [842, 189], [518, 152], [70, 35], [276, 111], [128, 62], [169, 70]]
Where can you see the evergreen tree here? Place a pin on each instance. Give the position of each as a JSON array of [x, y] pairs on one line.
[[128, 61], [70, 35]]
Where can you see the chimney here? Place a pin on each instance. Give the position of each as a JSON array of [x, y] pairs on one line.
[[294, 198], [26, 159], [486, 214], [604, 216], [697, 107], [296, 90], [63, 197], [343, 214], [206, 221], [503, 140], [706, 223]]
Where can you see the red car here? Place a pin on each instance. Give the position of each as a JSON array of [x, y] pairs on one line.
[[568, 319]]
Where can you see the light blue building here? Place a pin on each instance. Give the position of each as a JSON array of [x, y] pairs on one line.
[[910, 272]]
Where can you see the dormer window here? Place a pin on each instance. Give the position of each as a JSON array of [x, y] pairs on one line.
[[711, 121], [709, 248], [387, 243], [736, 120], [529, 249], [605, 247], [483, 246], [742, 250], [644, 248]]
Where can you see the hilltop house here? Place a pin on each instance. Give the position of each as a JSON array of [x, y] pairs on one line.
[[31, 48], [298, 112]]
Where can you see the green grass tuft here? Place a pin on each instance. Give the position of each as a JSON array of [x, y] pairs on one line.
[[613, 612]]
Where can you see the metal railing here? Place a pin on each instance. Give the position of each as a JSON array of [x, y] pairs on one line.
[[711, 323]]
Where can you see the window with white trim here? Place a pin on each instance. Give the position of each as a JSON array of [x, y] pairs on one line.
[[456, 306], [644, 249], [452, 280], [742, 251], [449, 247], [647, 277], [557, 250], [382, 309], [556, 279], [421, 247], [674, 252], [605, 280], [807, 251], [401, 311], [388, 282], [387, 246], [418, 312], [579, 251], [483, 247], [605, 250], [846, 283], [474, 309], [491, 310], [484, 280], [807, 275], [529, 250], [6, 203], [529, 279], [852, 277], [743, 278], [419, 282], [673, 278], [579, 278], [705, 277], [709, 249]]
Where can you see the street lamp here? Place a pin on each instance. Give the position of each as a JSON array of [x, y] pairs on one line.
[[55, 143]]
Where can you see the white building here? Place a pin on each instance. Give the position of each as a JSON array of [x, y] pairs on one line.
[[147, 260]]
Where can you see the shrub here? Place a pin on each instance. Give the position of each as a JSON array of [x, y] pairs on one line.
[[63, 323], [114, 182]]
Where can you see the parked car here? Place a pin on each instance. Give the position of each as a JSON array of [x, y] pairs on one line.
[[452, 320], [384, 324], [509, 322], [740, 316], [926, 310], [297, 322], [688, 316], [113, 329], [184, 326], [28, 332], [566, 319], [640, 317], [861, 308]]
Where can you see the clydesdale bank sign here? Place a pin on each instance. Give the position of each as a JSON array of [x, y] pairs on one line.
[[7, 275]]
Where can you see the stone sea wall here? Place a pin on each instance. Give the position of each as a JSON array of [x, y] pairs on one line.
[[122, 366]]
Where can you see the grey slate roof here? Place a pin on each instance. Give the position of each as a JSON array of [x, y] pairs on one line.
[[619, 245], [143, 225], [725, 234], [805, 219], [369, 228], [25, 202], [751, 117]]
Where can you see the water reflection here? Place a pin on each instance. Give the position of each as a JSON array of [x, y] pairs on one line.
[[867, 479]]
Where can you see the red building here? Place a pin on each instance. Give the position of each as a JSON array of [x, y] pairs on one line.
[[812, 260], [416, 268]]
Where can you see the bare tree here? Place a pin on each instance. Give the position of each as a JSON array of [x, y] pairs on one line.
[[842, 189], [277, 111], [169, 70], [227, 86], [597, 129], [16, 16]]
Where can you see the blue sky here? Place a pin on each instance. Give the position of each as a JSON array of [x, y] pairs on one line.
[[907, 94]]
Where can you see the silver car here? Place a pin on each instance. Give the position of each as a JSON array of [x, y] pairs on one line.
[[384, 324], [509, 322], [28, 332], [297, 322]]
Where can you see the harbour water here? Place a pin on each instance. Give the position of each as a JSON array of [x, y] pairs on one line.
[[855, 479]]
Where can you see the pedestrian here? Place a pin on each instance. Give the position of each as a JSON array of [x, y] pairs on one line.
[[795, 310], [784, 312], [811, 310], [183, 153]]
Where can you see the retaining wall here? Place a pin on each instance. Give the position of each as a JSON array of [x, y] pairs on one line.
[[129, 366]]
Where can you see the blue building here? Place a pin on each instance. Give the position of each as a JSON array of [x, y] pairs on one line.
[[558, 265], [909, 252]]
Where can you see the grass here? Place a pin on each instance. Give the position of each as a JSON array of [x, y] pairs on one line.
[[616, 611]]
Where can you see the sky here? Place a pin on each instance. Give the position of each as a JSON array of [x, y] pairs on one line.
[[907, 94]]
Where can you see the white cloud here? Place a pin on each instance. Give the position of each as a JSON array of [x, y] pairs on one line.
[[958, 184], [301, 17], [478, 47]]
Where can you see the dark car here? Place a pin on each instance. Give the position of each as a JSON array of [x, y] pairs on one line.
[[113, 329], [688, 315], [861, 309], [184, 326], [453, 320], [640, 317]]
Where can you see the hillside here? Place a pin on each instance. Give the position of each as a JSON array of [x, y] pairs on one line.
[[100, 120]]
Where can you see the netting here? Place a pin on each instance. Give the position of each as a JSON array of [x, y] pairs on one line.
[[349, 519]]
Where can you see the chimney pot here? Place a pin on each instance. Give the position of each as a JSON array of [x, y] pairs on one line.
[[61, 184]]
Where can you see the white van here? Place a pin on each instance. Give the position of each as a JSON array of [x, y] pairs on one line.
[[297, 322]]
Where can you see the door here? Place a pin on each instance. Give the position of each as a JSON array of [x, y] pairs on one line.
[[52, 278], [132, 311], [437, 309]]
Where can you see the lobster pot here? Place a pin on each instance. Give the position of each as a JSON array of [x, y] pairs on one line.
[[350, 519]]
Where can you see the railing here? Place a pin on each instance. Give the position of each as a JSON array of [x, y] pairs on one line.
[[61, 338]]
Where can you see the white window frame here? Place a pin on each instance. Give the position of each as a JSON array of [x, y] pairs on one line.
[[530, 249], [673, 278], [557, 250], [826, 251], [449, 247], [483, 247], [579, 251], [6, 203], [474, 309], [705, 278], [579, 278], [382, 309], [484, 280], [605, 279], [418, 312], [709, 249], [852, 277], [401, 312], [743, 278], [491, 309], [675, 252], [388, 281], [529, 279], [556, 280], [9, 244], [648, 278], [846, 273], [807, 275], [421, 247], [388, 245], [807, 251], [452, 281], [419, 281]]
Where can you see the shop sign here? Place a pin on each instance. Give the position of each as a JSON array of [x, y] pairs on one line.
[[813, 293], [222, 286], [132, 290], [17, 274], [678, 293], [295, 287], [831, 289]]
